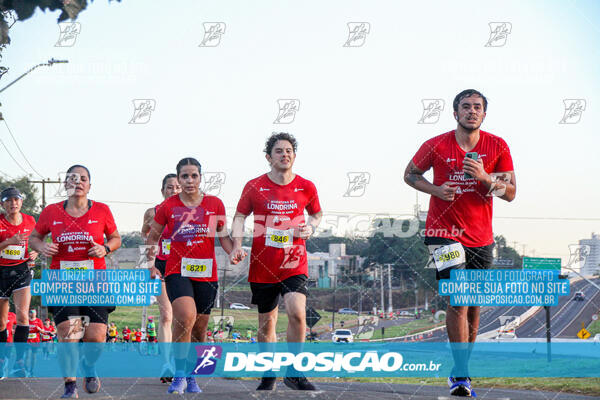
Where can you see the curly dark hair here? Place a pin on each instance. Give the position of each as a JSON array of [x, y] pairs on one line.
[[276, 136], [469, 93]]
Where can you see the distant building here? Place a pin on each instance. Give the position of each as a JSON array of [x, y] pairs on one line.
[[592, 262], [331, 269]]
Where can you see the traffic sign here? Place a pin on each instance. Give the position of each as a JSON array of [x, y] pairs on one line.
[[583, 334], [541, 263], [312, 317]]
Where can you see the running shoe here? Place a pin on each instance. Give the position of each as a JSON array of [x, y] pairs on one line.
[[92, 384], [298, 383], [19, 370], [70, 391], [461, 387], [267, 383], [177, 386], [192, 386], [166, 375]]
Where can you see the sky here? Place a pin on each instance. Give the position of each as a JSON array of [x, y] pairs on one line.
[[359, 105]]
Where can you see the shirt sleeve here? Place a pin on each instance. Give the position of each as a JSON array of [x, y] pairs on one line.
[[109, 222], [42, 226], [245, 204], [505, 162], [423, 159], [313, 205], [222, 217], [160, 216]]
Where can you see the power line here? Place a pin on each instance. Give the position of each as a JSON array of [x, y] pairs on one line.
[[11, 156], [21, 151]]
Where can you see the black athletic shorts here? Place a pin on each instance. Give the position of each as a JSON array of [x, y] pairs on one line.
[[266, 295], [475, 257], [160, 265], [203, 293], [13, 278], [97, 315]]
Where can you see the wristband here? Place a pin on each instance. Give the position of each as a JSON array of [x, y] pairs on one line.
[[107, 250]]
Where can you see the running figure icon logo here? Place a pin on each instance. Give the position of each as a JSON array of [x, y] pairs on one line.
[[207, 359], [357, 183], [142, 110], [432, 109], [578, 254], [212, 182], [573, 110], [68, 34], [212, 34], [357, 34], [499, 32], [287, 111]]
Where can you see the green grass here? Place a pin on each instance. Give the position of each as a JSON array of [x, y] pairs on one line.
[[594, 327], [405, 329], [243, 319]]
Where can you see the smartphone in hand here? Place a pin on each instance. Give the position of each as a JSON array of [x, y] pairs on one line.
[[473, 156]]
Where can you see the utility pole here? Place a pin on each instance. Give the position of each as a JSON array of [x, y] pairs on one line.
[[44, 182], [382, 297], [390, 306], [223, 296]]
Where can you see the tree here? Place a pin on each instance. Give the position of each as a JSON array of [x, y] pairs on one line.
[[131, 239], [30, 192]]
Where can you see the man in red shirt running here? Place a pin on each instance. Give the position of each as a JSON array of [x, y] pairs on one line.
[[278, 262], [467, 165], [126, 334]]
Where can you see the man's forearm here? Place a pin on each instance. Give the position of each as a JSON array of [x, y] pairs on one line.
[[419, 182]]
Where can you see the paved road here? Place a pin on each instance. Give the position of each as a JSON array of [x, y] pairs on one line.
[[234, 389]]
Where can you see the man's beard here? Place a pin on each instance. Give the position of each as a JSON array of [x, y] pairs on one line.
[[469, 129]]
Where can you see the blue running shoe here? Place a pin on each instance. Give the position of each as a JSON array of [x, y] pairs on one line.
[[70, 391], [460, 387], [192, 386], [177, 386]]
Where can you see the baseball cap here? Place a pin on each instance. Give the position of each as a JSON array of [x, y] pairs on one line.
[[9, 193]]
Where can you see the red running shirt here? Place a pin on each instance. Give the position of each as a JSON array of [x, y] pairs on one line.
[[12, 320], [468, 218], [192, 234], [73, 234], [15, 254], [164, 243], [47, 337], [35, 325], [277, 253]]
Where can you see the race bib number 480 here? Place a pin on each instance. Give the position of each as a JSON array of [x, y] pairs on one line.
[[196, 267], [279, 238], [13, 252], [449, 256]]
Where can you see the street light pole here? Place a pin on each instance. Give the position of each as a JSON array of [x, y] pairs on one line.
[[50, 62]]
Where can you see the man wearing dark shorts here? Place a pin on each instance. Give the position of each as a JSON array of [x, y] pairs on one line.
[[470, 166], [278, 262]]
